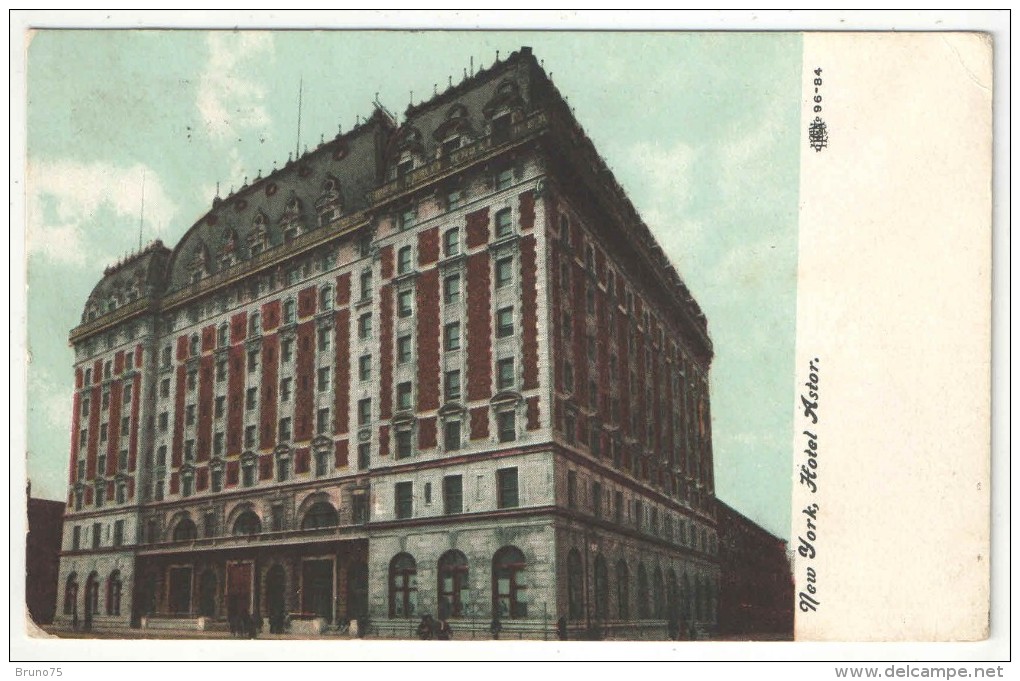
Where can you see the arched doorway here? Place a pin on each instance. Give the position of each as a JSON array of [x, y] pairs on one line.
[[179, 591], [317, 588], [207, 594], [71, 595]]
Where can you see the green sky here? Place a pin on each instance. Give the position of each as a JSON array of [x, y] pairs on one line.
[[701, 129]]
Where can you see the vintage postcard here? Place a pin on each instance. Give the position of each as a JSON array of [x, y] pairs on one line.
[[541, 336]]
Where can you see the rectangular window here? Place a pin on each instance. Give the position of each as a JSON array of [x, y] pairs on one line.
[[250, 398], [618, 506], [364, 411], [218, 444], [504, 225], [403, 443], [285, 428], [287, 350], [452, 385], [253, 361], [365, 326], [127, 394], [404, 349], [504, 322], [122, 461], [406, 218], [364, 455], [125, 425], [157, 492], [323, 379], [285, 384], [97, 530], [85, 403], [366, 284], [249, 437], [106, 399], [282, 469], [76, 538], [506, 479], [248, 475], [321, 463], [365, 368], [505, 373], [507, 423], [403, 494], [451, 289], [504, 271], [359, 508], [572, 489], [451, 242], [596, 499], [277, 517], [104, 434], [451, 336], [189, 450], [322, 421], [324, 339], [189, 415], [209, 524], [405, 303], [505, 177], [217, 479], [451, 436], [187, 485], [453, 494], [404, 260], [192, 375], [404, 396], [453, 199], [218, 406], [221, 371]]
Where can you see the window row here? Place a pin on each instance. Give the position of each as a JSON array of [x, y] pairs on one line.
[[114, 592], [509, 586], [92, 536], [507, 493]]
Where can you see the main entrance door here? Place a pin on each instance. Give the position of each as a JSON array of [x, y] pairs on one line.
[[179, 594], [239, 589], [317, 588]]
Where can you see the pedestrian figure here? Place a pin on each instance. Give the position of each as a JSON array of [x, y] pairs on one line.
[[445, 631], [426, 629], [495, 627]]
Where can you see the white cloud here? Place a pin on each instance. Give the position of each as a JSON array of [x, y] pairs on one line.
[[65, 196], [228, 100]]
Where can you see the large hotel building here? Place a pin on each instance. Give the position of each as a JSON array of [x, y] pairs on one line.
[[440, 366]]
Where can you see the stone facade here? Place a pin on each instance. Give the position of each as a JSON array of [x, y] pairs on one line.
[[438, 367]]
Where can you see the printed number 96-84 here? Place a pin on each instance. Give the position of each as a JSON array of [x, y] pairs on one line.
[[818, 96]]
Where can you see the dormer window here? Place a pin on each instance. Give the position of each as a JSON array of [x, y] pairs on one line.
[[501, 127], [406, 218], [405, 167], [451, 145]]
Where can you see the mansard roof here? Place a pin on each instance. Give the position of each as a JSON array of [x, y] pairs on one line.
[[339, 172], [140, 275]]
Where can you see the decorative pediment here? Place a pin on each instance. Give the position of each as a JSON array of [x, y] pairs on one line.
[[456, 123]]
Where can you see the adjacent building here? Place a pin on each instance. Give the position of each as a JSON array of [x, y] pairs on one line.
[[42, 557], [437, 366], [756, 580]]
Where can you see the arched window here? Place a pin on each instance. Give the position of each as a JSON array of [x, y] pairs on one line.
[[247, 523], [672, 595], [403, 586], [658, 601], [622, 590], [509, 584], [601, 588], [185, 530], [193, 346], [222, 336], [453, 584], [71, 594], [289, 311], [321, 514], [642, 592], [92, 595], [113, 592], [254, 324], [575, 585]]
